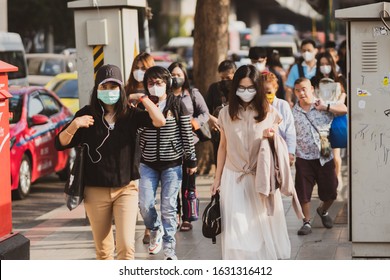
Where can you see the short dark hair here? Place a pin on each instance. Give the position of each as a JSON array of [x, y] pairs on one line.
[[308, 41], [227, 65], [257, 52], [330, 45], [300, 80], [157, 72]]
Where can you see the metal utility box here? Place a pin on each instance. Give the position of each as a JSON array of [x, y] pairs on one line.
[[368, 68], [106, 33], [13, 246]]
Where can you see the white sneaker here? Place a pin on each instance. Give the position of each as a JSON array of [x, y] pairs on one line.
[[169, 254], [155, 243]]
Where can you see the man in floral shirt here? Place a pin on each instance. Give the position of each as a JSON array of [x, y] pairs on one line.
[[313, 117]]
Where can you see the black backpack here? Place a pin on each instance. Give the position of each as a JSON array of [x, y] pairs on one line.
[[211, 219]]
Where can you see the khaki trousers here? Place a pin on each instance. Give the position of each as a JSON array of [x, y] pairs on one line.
[[103, 205]]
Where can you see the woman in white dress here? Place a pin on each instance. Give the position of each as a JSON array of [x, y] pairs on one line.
[[248, 231]]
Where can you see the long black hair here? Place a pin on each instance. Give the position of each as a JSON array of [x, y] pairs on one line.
[[259, 102], [334, 75], [186, 84]]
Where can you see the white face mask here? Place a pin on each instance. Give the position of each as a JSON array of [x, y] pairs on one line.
[[260, 66], [157, 91], [138, 75], [325, 69], [246, 95], [308, 56]]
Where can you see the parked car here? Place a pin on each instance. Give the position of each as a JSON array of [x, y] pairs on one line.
[[281, 28], [65, 85], [42, 67], [183, 47], [162, 58], [12, 52], [286, 45], [37, 115]]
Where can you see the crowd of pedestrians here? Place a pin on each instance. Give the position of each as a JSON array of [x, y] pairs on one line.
[[264, 120]]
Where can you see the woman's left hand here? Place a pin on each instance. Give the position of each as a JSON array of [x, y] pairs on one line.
[[269, 133], [192, 170]]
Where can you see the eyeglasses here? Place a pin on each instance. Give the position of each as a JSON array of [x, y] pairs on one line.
[[251, 89], [158, 83]]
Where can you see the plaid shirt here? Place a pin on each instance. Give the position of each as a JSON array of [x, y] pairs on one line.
[[308, 139]]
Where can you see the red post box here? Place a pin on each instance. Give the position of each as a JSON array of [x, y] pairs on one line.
[[5, 177], [12, 245]]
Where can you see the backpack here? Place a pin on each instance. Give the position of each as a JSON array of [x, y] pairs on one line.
[[211, 219]]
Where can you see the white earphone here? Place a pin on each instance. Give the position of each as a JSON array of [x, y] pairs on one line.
[[104, 140]]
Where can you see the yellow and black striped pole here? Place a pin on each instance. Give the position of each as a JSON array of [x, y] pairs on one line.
[[98, 58]]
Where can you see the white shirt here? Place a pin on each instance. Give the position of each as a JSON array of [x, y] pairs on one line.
[[287, 126]]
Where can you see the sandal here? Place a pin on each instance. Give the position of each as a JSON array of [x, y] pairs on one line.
[[186, 226], [178, 220]]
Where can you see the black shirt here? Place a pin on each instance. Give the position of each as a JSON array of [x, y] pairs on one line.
[[117, 166], [214, 96]]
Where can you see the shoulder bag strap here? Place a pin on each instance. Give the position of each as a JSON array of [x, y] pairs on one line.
[[300, 70], [312, 124]]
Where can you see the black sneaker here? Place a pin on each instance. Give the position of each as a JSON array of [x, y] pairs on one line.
[[325, 218], [305, 229]]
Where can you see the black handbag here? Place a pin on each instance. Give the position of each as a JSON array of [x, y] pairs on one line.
[[74, 186], [211, 219], [204, 132]]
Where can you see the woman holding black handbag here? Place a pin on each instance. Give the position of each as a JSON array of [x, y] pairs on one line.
[[107, 127], [197, 107]]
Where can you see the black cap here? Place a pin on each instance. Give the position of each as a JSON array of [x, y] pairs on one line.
[[257, 52], [108, 73]]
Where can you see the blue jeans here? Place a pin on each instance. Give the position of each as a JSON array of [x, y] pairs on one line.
[[170, 185]]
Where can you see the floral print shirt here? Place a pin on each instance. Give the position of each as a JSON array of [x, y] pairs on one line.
[[308, 139]]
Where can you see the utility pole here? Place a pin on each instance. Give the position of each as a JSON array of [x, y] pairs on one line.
[[3, 16], [147, 16]]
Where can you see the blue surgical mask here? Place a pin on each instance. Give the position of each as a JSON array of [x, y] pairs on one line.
[[108, 96]]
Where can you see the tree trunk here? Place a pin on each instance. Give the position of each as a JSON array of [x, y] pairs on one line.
[[210, 48], [210, 40]]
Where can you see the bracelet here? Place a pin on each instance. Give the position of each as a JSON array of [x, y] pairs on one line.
[[142, 97], [70, 134], [327, 108]]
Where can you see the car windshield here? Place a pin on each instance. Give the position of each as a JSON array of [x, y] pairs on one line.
[[283, 51], [45, 66], [15, 58], [67, 89], [15, 108]]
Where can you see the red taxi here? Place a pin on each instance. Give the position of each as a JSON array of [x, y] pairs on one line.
[[37, 115]]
